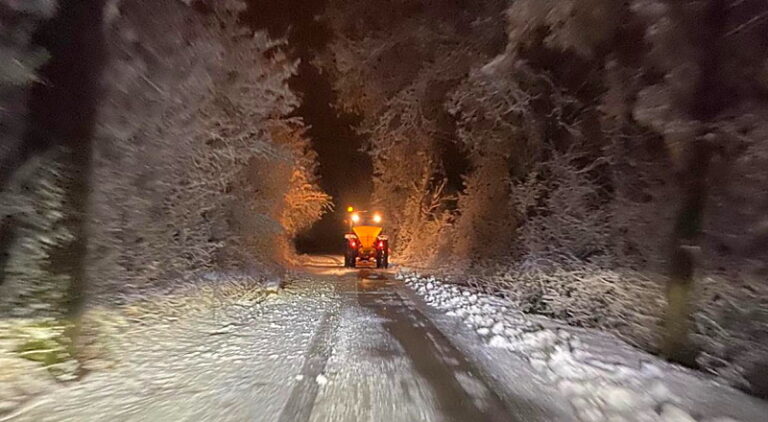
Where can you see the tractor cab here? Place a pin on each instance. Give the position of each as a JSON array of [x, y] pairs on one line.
[[364, 242]]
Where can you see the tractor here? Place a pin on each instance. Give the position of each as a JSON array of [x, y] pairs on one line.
[[364, 241]]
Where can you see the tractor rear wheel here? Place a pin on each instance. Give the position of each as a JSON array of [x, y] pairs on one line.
[[382, 260]]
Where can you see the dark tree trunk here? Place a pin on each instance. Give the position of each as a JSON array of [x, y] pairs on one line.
[[692, 175], [62, 113]]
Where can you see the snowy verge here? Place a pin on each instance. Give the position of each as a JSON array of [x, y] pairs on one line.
[[602, 377], [36, 357]]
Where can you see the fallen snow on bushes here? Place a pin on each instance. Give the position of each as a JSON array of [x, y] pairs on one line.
[[603, 378]]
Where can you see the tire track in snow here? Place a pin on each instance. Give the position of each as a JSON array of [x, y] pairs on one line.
[[302, 399], [436, 359]]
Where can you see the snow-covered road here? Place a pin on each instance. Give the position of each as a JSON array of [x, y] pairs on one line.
[[363, 345]]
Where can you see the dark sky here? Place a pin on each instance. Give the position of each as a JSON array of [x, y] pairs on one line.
[[345, 172]]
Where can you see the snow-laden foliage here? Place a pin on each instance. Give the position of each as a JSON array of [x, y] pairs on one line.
[[33, 202], [19, 60], [197, 166], [602, 138], [304, 203], [564, 218], [481, 233], [396, 69]]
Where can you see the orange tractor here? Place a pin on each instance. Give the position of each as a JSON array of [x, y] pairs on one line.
[[364, 241]]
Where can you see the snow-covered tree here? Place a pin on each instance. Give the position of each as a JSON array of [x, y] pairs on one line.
[[198, 167], [603, 136]]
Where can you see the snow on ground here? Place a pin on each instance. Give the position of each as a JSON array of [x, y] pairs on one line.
[[603, 378], [331, 346], [369, 377], [224, 348]]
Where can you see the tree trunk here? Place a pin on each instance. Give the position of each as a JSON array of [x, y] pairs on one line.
[[63, 115], [706, 104], [676, 345]]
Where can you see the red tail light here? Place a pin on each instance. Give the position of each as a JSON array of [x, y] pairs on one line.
[[352, 243], [381, 244]]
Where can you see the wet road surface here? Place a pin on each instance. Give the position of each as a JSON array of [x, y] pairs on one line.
[[433, 356], [458, 390]]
